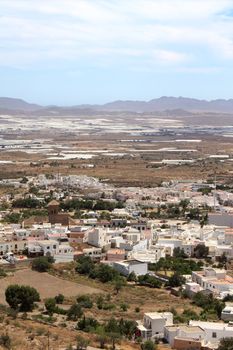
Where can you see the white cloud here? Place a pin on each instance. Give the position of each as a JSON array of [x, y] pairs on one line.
[[171, 32]]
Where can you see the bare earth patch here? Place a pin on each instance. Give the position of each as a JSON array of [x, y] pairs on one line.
[[47, 285]]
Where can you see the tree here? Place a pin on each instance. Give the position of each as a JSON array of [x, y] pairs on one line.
[[184, 203], [75, 312], [106, 273], [101, 336], [13, 218], [132, 277], [223, 258], [41, 264], [150, 281], [87, 324], [26, 203], [119, 283], [226, 344], [148, 345], [176, 280], [82, 343], [100, 302], [50, 305], [128, 328], [179, 253], [115, 338], [204, 220], [201, 251], [21, 298], [85, 265], [59, 299]]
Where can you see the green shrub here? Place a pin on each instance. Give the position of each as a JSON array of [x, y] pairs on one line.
[[59, 299], [85, 301], [75, 312], [124, 307], [41, 264]]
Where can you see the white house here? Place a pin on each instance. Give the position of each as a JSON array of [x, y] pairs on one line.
[[64, 253], [128, 266], [93, 252], [215, 280], [227, 313], [98, 237], [192, 288], [153, 324], [60, 252], [214, 331], [173, 333]]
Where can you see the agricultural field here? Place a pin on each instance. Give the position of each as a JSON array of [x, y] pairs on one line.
[[47, 285]]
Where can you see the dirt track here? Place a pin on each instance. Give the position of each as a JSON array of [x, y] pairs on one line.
[[47, 285]]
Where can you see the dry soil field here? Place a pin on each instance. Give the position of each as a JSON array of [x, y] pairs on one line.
[[47, 285]]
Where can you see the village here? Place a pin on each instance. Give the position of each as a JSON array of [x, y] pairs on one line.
[[177, 237]]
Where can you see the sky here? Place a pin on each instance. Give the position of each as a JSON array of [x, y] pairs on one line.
[[70, 52]]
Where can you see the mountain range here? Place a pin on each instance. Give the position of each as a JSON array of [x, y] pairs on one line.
[[162, 104]]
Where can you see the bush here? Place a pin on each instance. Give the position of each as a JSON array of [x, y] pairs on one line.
[[100, 302], [84, 265], [150, 281], [41, 264], [226, 344], [210, 305], [176, 280], [75, 312], [59, 299], [12, 313], [50, 305], [21, 298], [148, 345], [82, 343], [109, 306], [85, 301], [87, 324], [5, 341], [124, 307], [132, 277], [2, 273]]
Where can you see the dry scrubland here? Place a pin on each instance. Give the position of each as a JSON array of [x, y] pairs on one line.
[[133, 171], [28, 334]]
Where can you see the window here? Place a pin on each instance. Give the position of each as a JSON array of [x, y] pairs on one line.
[[214, 335]]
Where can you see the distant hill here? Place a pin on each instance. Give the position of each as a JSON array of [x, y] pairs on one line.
[[171, 103], [7, 103], [165, 105]]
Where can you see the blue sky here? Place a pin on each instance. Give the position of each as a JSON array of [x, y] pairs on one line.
[[94, 51]]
